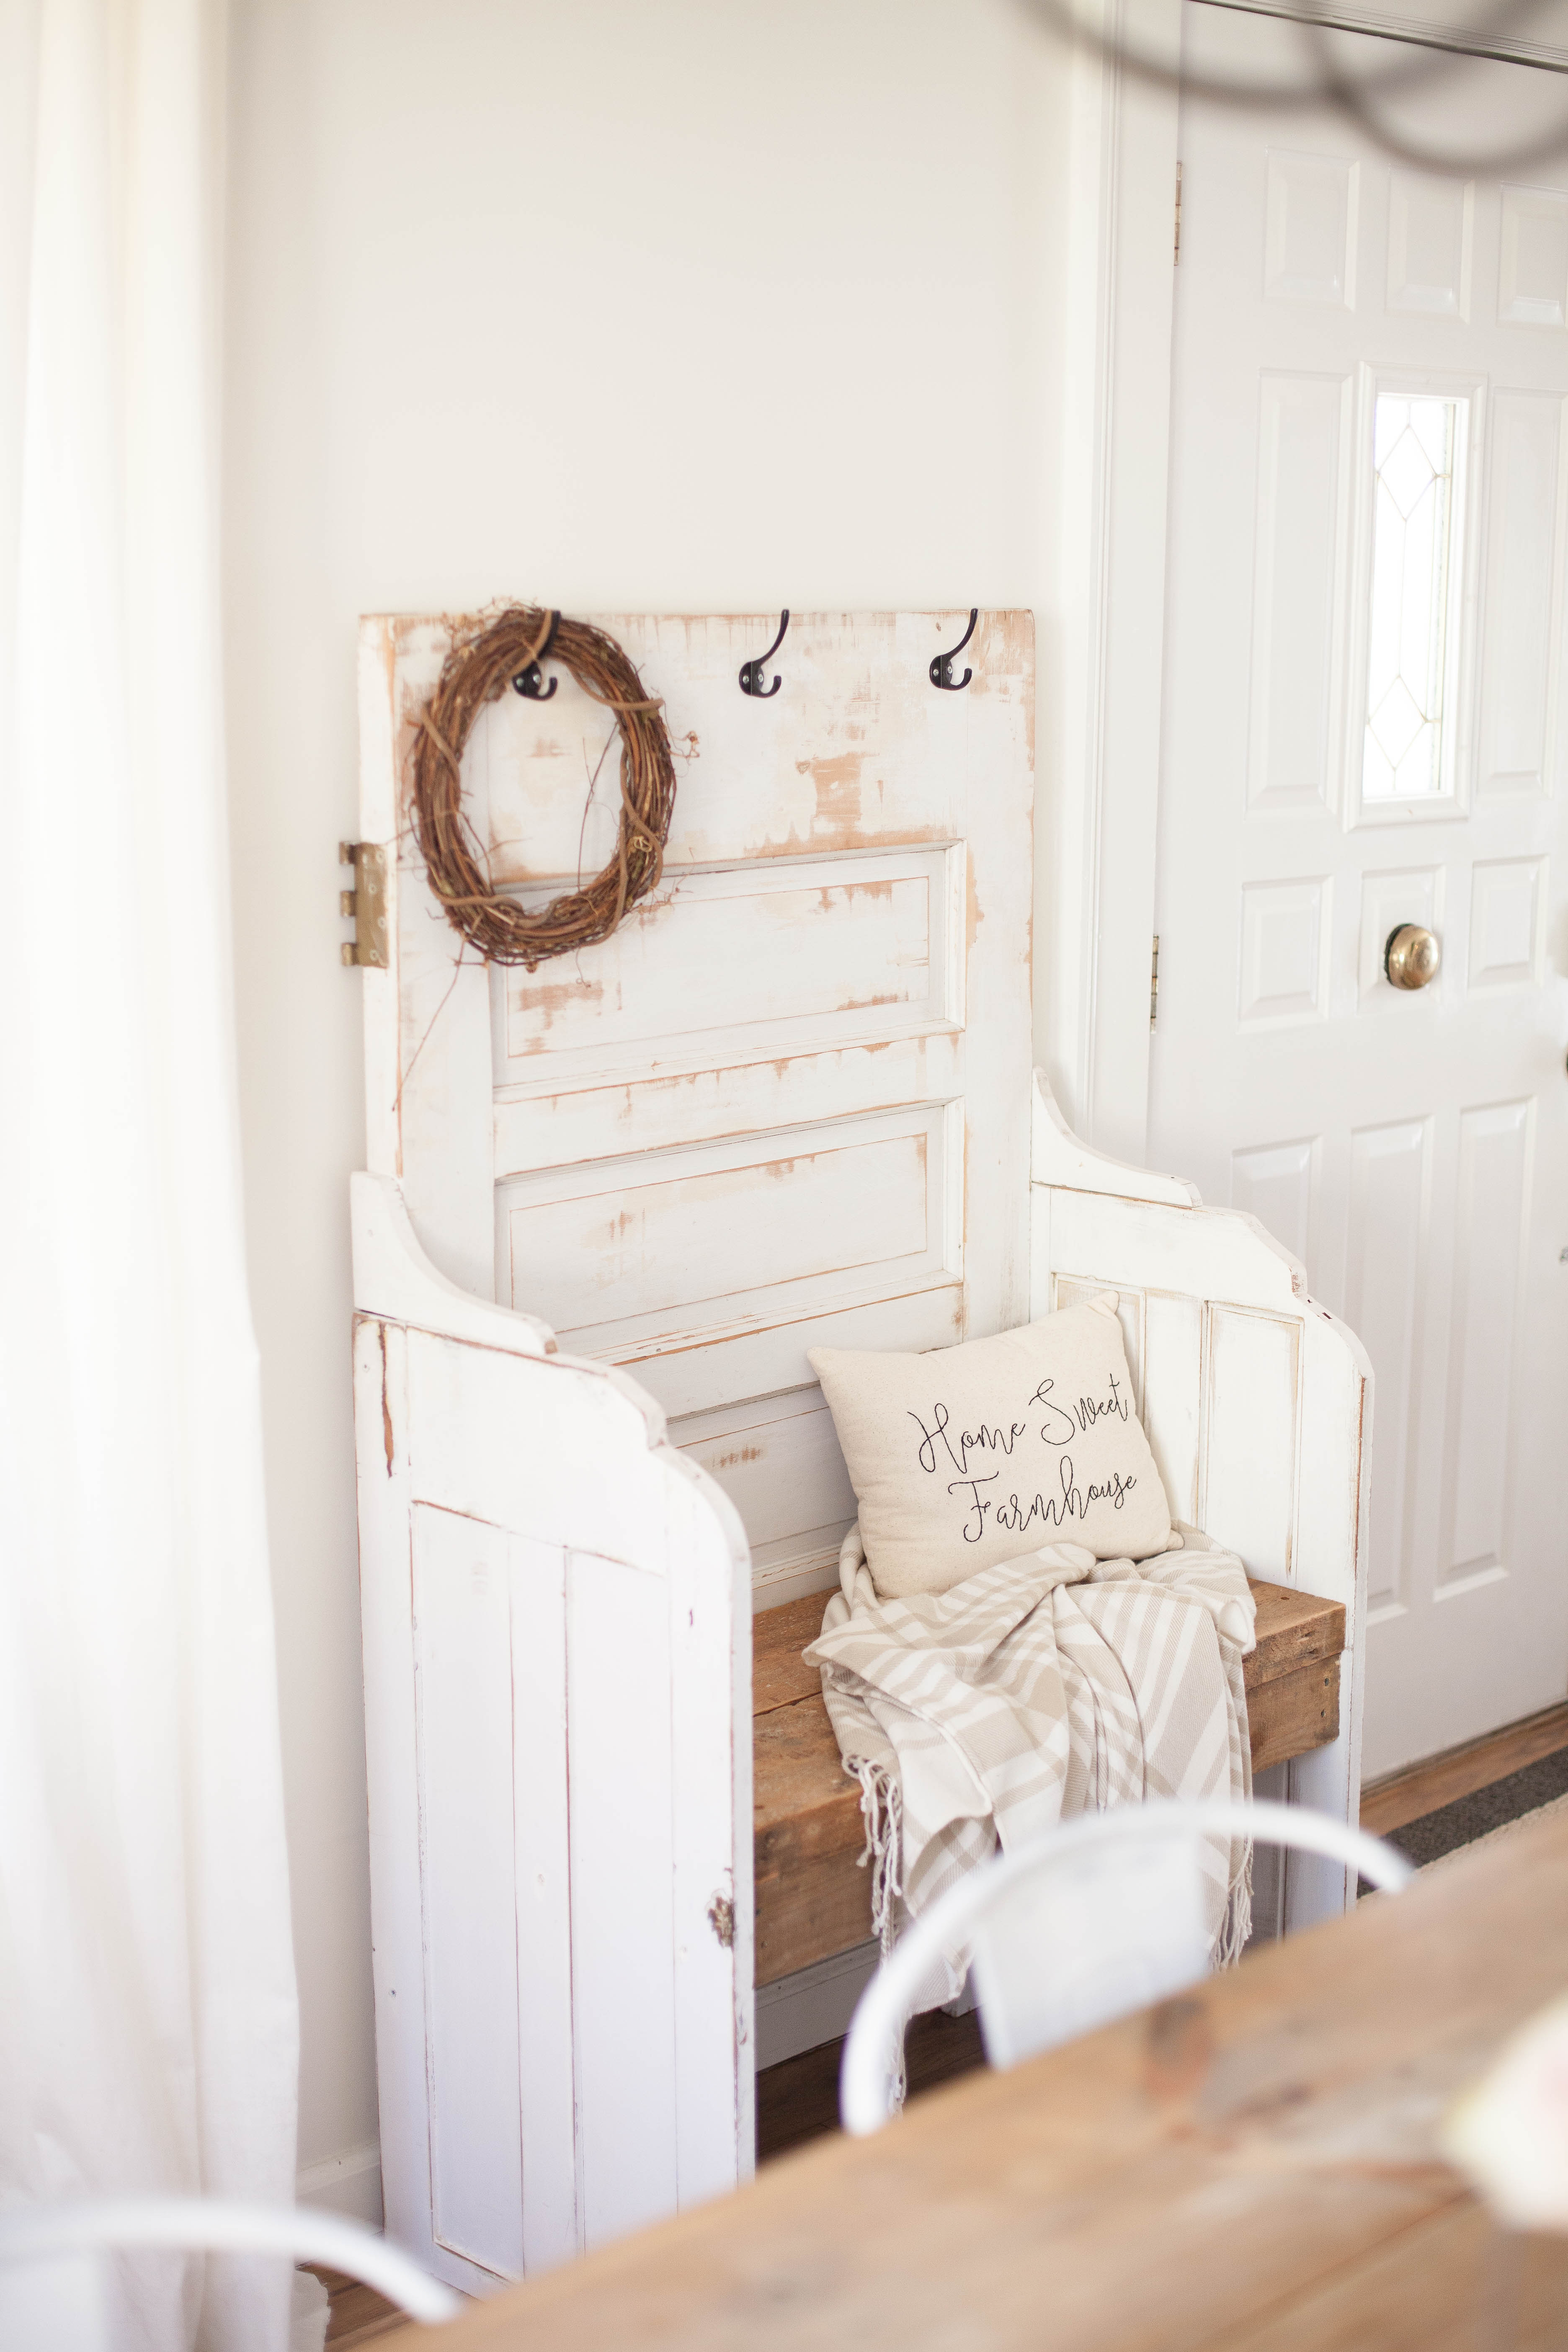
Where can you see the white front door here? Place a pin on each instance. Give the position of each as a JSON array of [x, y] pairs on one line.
[[1364, 730]]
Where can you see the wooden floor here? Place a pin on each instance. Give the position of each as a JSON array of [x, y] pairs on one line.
[[1404, 1797], [356, 2314], [799, 2100]]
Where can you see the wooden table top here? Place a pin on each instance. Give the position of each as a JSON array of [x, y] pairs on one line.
[[1248, 2167]]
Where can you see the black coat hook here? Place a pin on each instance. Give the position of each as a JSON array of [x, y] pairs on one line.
[[942, 668], [752, 671], [530, 682]]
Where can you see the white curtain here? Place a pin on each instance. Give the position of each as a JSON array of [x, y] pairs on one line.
[[148, 2017]]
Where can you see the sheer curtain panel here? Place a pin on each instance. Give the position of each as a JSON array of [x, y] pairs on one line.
[[148, 2016]]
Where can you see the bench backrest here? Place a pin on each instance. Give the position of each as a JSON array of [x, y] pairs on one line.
[[788, 1102], [1258, 1403]]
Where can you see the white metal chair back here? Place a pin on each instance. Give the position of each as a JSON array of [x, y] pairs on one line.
[[1102, 1918], [54, 2281]]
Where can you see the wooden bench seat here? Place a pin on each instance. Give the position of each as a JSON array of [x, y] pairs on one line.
[[812, 1898]]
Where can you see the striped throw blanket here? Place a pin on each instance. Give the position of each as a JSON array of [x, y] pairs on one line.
[[1037, 1688]]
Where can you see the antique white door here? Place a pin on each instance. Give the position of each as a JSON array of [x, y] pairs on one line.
[[1364, 730], [787, 1104]]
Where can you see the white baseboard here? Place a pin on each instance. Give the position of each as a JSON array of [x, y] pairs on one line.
[[812, 1571], [814, 2006], [348, 2184]]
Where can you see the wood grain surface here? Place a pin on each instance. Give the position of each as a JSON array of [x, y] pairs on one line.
[[1252, 2166], [812, 1897]]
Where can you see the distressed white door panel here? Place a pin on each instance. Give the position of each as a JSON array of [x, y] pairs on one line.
[[556, 1612], [829, 763], [1309, 234], [397, 1946], [1172, 1395], [788, 1102], [1390, 1200], [1303, 446], [622, 1831], [535, 1132], [1070, 1291], [764, 1454], [551, 2226], [1532, 275], [1162, 1331], [1459, 493], [615, 1252], [463, 1642], [718, 967], [710, 1669], [1431, 224], [426, 1017], [698, 1375], [1247, 1486], [1523, 603]]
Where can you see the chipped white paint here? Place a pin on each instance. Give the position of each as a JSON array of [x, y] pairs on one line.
[[787, 1103], [557, 1648]]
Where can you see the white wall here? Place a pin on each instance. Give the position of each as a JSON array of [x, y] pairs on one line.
[[648, 304]]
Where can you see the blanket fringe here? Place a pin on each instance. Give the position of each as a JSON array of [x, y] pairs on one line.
[[881, 1810], [1237, 1927]]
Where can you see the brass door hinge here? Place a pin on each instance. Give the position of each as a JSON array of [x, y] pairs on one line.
[[1154, 984], [1177, 261], [366, 902]]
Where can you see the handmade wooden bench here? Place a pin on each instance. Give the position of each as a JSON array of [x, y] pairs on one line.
[[611, 1205], [812, 1899]]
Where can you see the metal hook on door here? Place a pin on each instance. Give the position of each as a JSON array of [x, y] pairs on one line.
[[752, 671], [942, 668], [530, 682]]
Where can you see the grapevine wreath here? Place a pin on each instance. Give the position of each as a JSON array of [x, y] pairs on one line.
[[484, 660]]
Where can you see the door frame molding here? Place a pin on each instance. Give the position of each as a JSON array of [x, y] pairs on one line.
[[1102, 747]]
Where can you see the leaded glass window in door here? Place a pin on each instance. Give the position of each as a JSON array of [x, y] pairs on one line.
[[1418, 444]]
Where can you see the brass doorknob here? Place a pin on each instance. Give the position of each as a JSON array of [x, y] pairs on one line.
[[1412, 957]]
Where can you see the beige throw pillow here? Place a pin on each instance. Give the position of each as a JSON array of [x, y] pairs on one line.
[[982, 1453]]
